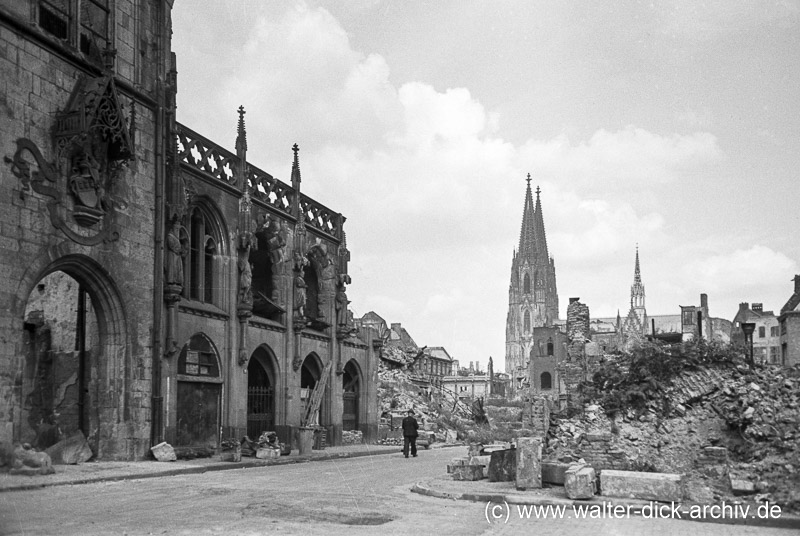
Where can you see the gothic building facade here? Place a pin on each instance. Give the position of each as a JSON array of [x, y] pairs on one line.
[[532, 294], [156, 286]]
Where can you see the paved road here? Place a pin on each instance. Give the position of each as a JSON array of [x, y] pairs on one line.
[[358, 496]]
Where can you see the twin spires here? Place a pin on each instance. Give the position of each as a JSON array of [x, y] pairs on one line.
[[532, 238]]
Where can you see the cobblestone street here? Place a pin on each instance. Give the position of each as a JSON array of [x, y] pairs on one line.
[[366, 495]]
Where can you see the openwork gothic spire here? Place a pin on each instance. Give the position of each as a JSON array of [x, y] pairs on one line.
[[637, 289], [241, 134]]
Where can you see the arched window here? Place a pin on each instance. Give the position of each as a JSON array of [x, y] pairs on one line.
[[527, 284], [546, 381], [201, 273], [550, 346], [527, 322]]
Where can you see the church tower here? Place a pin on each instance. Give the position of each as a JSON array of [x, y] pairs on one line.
[[635, 325], [532, 295]]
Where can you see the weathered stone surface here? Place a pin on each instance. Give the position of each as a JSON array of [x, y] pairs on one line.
[[554, 472], [529, 463], [665, 487], [580, 482], [503, 466], [28, 461], [466, 472], [267, 453], [163, 452], [72, 450], [742, 487]]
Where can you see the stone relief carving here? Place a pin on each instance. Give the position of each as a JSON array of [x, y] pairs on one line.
[[92, 145]]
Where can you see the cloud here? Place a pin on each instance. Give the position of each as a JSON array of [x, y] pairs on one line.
[[748, 270], [617, 160], [433, 193]]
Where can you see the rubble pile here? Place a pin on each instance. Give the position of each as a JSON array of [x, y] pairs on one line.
[[753, 415], [400, 389], [352, 437]]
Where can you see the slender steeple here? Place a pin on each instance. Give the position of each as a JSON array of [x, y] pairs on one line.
[[538, 226], [241, 152], [527, 235], [637, 289]]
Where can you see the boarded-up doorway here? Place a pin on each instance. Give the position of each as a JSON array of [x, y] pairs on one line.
[[199, 394]]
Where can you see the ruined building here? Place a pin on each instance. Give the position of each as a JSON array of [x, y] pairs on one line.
[[532, 294], [155, 286]]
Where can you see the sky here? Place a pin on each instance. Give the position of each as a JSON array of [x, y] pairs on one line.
[[672, 126]]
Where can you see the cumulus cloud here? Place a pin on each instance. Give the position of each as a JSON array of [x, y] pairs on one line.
[[748, 269], [433, 193], [616, 160]]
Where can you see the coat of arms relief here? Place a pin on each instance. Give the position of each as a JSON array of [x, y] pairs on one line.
[[92, 143]]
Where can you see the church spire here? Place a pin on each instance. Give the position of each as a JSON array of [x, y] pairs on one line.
[[541, 237], [637, 289], [527, 235]]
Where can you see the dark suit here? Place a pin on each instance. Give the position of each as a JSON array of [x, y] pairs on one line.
[[410, 428]]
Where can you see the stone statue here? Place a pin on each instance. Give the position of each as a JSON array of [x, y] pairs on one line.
[[299, 295], [245, 277], [176, 251], [341, 306]]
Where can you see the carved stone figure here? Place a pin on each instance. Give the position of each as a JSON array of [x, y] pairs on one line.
[[176, 251], [299, 296], [245, 277], [341, 306]]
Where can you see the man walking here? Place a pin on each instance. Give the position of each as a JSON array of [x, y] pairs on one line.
[[410, 428]]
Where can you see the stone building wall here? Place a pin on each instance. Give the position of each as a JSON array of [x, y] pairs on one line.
[[43, 225]]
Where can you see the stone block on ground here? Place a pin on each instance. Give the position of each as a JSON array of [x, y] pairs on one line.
[[554, 472], [466, 472], [267, 453], [73, 450], [742, 487], [666, 487], [529, 463], [455, 462], [28, 461], [163, 452], [580, 482], [503, 465]]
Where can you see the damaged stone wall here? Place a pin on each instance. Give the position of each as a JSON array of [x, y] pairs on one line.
[[51, 399]]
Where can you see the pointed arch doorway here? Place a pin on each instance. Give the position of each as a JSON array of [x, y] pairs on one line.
[[260, 393], [310, 374], [351, 395]]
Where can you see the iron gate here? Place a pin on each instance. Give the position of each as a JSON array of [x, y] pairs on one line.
[[260, 410]]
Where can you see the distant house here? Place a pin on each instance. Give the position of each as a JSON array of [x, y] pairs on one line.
[[789, 327], [766, 337]]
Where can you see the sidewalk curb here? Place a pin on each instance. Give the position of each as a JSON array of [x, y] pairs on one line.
[[786, 521], [212, 467]]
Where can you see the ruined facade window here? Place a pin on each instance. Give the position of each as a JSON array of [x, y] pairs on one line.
[[549, 347], [198, 359], [546, 380], [83, 24], [55, 18], [773, 331], [94, 25], [201, 275]]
